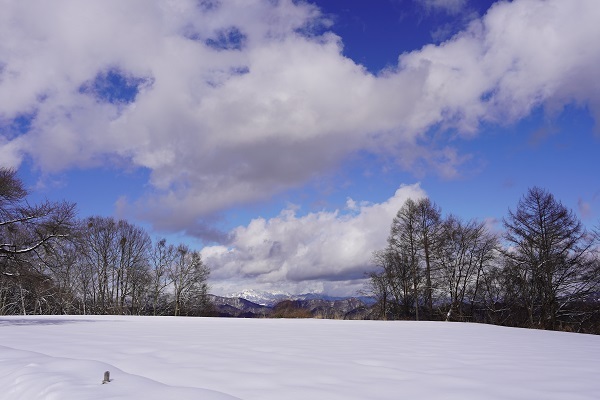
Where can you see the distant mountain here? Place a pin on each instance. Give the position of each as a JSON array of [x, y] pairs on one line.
[[319, 296], [251, 304], [237, 307], [271, 298], [263, 298]]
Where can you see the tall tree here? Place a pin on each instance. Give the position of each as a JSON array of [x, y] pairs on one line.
[[549, 256], [404, 239], [114, 263], [392, 282], [429, 226], [98, 250], [466, 249], [58, 263], [162, 257], [133, 266], [189, 275]]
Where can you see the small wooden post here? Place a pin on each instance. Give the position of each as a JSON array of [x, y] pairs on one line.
[[106, 377]]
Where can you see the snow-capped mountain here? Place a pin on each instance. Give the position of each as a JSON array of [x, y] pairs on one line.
[[263, 298], [269, 299]]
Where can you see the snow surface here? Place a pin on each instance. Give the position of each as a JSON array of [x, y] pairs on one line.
[[64, 357]]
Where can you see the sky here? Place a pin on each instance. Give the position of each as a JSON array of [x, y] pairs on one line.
[[281, 137]]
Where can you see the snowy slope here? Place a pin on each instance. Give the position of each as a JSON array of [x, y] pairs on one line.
[[63, 357]]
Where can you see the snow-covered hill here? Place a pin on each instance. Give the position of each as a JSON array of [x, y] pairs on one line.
[[64, 357]]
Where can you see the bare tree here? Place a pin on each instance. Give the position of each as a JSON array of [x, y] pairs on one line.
[[189, 275], [429, 226], [58, 263], [404, 239], [378, 288], [98, 248], [114, 264], [162, 258], [550, 258], [391, 284], [103, 268], [133, 266], [24, 230], [465, 251]]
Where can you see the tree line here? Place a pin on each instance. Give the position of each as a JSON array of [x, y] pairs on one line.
[[53, 263], [542, 272]]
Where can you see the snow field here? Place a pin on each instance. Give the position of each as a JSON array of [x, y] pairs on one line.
[[64, 357]]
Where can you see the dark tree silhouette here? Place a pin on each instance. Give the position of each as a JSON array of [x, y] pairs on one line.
[[26, 232], [549, 258]]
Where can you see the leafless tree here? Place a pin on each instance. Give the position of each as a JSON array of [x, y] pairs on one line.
[[133, 267], [429, 225], [464, 253], [189, 275], [392, 284], [24, 230], [98, 248], [550, 258], [162, 257], [405, 240], [58, 263], [114, 264], [49, 263]]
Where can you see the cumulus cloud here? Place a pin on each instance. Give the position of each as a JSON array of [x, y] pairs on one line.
[[305, 253], [231, 102]]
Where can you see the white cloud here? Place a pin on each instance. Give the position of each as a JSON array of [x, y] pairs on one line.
[[223, 127], [9, 153], [304, 253]]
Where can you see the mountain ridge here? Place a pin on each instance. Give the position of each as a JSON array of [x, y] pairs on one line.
[[284, 305], [270, 299]]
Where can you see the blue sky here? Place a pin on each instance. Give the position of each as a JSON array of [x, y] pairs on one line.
[[281, 137]]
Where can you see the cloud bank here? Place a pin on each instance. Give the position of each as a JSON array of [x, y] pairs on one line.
[[230, 102], [318, 252]]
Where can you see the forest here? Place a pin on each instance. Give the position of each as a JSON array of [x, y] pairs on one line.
[[53, 263], [542, 271]]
